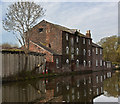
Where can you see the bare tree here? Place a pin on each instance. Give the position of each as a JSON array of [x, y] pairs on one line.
[[20, 18]]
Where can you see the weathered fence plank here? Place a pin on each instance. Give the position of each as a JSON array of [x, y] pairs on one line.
[[14, 62]]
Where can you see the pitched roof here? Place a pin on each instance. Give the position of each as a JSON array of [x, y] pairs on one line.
[[72, 31], [46, 48], [95, 45]]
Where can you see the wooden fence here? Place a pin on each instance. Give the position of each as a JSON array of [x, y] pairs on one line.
[[13, 62]]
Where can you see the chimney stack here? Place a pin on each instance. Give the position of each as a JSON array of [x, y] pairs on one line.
[[88, 34]]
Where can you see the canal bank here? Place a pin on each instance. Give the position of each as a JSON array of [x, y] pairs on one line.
[[23, 76], [27, 76]]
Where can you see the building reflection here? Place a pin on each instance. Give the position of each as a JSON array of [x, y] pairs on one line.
[[78, 88]]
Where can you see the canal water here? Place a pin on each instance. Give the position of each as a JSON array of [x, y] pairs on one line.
[[83, 88]]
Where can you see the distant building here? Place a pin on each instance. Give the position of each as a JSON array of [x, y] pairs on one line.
[[65, 49]]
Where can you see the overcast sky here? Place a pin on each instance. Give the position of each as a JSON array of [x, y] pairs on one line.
[[99, 17]]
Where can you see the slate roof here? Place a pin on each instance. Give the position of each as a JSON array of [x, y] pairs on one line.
[[62, 28], [46, 48], [95, 45]]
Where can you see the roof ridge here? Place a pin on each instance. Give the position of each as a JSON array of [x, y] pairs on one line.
[[63, 28], [96, 45]]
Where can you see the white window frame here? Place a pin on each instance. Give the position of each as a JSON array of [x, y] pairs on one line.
[[104, 64], [101, 78], [72, 41], [100, 51], [77, 51], [72, 56], [83, 40], [97, 79], [89, 63], [77, 63], [67, 61], [97, 91], [84, 52], [101, 89], [89, 41], [57, 62], [96, 62], [89, 53], [77, 39], [67, 50], [84, 63], [67, 36], [100, 62], [96, 51]]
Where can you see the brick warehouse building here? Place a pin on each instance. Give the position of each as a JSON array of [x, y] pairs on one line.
[[65, 49]]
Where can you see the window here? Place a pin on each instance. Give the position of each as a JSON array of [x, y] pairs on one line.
[[97, 91], [96, 62], [67, 61], [104, 63], [84, 92], [73, 91], [77, 39], [104, 76], [89, 63], [100, 62], [101, 51], [57, 89], [84, 52], [89, 41], [78, 95], [101, 78], [67, 50], [77, 63], [40, 29], [107, 65], [77, 51], [72, 49], [84, 63], [57, 61], [89, 79], [96, 79], [84, 81], [101, 90], [110, 65], [66, 36], [83, 40], [72, 41], [72, 56], [89, 52], [109, 74], [96, 50], [67, 87]]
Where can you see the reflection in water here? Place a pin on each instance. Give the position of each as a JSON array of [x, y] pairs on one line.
[[77, 88], [112, 85]]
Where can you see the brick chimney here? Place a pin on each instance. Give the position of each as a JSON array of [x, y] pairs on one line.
[[88, 34]]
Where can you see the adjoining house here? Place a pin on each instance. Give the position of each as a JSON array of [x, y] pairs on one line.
[[65, 49]]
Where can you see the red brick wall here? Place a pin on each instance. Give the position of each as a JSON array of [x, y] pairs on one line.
[[50, 35], [35, 48], [96, 57]]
